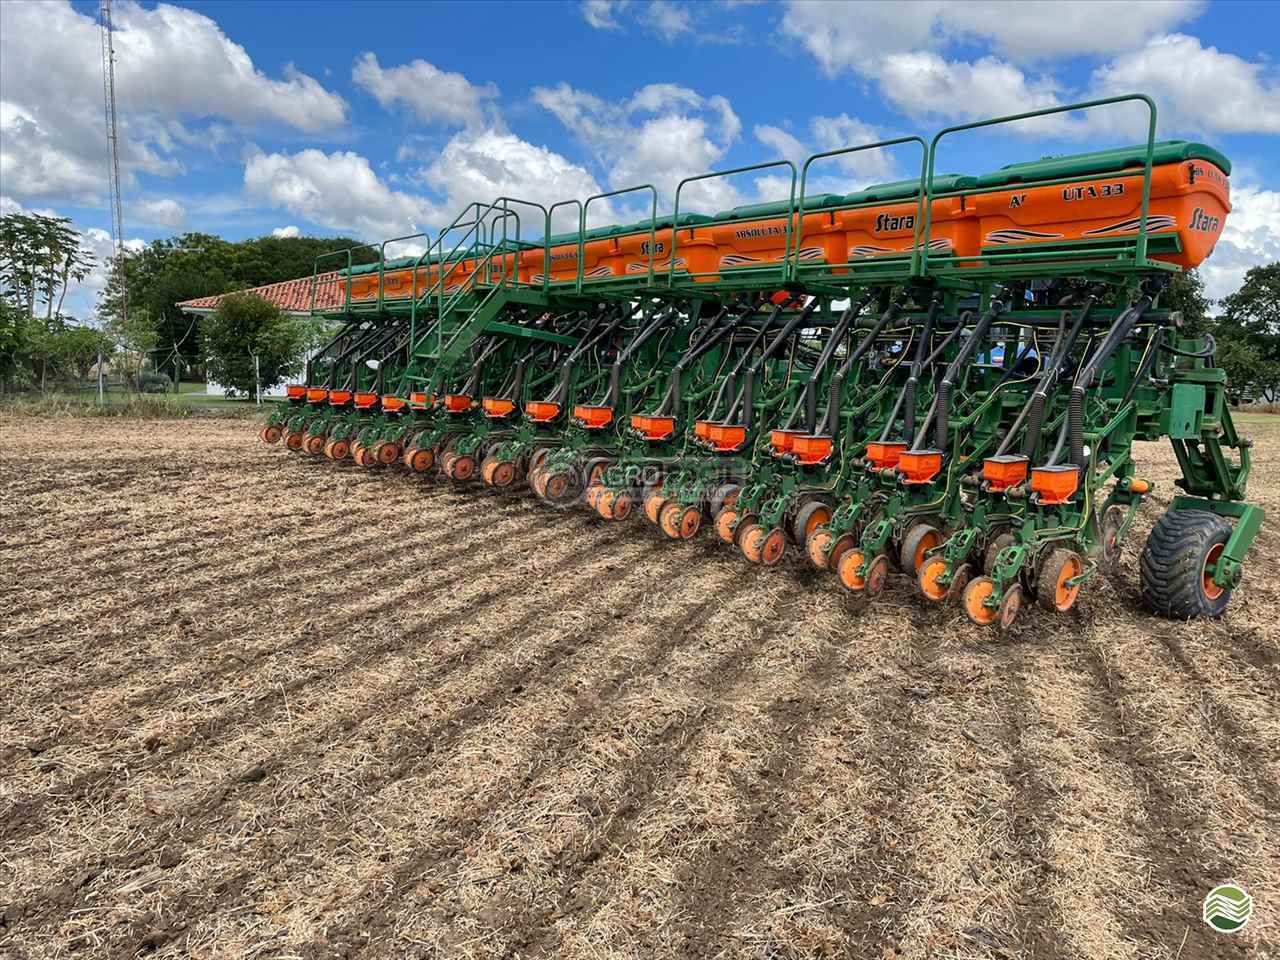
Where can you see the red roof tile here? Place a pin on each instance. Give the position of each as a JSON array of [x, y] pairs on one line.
[[290, 295]]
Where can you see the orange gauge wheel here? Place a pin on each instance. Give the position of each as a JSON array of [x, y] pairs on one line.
[[669, 520], [978, 590], [1010, 605], [725, 521], [877, 575], [622, 504], [927, 580], [751, 541], [503, 474], [774, 546], [653, 506], [690, 522], [847, 570], [843, 545], [464, 467], [604, 503], [919, 540], [1054, 587], [817, 547]]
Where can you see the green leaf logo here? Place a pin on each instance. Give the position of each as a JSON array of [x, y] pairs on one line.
[[1227, 908]]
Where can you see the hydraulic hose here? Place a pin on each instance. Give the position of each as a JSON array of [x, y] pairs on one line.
[[659, 320], [771, 350], [836, 387], [851, 313], [907, 398], [1119, 332], [1033, 412], [943, 403], [671, 402]]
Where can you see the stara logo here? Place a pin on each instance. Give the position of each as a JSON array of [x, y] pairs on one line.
[[1227, 908]]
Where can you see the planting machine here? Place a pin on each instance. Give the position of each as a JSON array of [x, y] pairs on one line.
[[938, 380]]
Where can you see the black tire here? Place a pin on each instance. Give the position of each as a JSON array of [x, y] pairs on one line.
[[916, 536], [801, 520], [592, 464], [719, 495], [998, 543], [1173, 562]]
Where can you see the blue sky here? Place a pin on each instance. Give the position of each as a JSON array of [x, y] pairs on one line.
[[376, 120]]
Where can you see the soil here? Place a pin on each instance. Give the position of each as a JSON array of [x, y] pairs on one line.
[[257, 704]]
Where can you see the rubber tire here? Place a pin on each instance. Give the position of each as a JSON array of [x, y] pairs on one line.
[[802, 524], [1173, 562], [591, 466], [722, 494], [1051, 572], [916, 537], [998, 543]]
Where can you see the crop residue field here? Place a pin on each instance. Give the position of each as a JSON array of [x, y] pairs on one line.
[[260, 704]]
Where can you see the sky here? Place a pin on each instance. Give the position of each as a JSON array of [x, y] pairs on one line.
[[381, 120]]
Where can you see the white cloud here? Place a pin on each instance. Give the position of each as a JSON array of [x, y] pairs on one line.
[[1196, 87], [669, 20], [337, 190], [666, 19], [9, 205], [1250, 238], [32, 164], [157, 213], [923, 84], [603, 14], [341, 191], [840, 174], [1066, 28], [284, 232], [171, 64], [491, 164], [856, 36], [431, 94], [661, 134]]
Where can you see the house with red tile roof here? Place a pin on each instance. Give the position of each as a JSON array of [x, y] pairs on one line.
[[291, 296]]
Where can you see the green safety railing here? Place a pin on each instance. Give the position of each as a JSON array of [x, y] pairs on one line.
[[546, 243], [653, 226], [489, 233], [916, 259], [995, 260], [738, 272]]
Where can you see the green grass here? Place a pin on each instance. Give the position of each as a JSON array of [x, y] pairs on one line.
[[1255, 419], [119, 402]]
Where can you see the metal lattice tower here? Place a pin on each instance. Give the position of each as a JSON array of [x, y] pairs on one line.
[[109, 110]]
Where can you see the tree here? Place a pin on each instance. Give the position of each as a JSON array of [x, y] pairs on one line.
[[1186, 293], [79, 347], [1249, 329], [167, 272], [135, 335], [1254, 309], [242, 328], [39, 258]]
